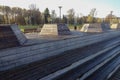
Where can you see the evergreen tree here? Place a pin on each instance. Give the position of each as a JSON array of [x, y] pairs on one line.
[[46, 15]]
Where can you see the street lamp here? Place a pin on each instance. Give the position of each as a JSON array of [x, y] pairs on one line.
[[60, 11]]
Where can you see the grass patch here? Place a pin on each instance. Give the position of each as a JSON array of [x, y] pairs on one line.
[[25, 27], [29, 26], [22, 28], [78, 26]]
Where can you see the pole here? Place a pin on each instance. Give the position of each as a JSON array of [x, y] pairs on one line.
[[60, 12]]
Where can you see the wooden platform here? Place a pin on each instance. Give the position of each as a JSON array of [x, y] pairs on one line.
[[55, 29], [7, 37], [11, 36]]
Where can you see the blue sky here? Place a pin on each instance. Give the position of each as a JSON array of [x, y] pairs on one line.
[[80, 6]]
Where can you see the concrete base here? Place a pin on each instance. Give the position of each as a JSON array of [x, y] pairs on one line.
[[95, 27], [55, 29], [115, 26]]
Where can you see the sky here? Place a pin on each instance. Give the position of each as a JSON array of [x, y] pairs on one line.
[[81, 7]]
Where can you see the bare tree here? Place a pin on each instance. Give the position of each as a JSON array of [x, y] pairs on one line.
[[34, 14], [6, 11], [32, 7], [93, 12], [71, 14], [91, 16], [53, 16]]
